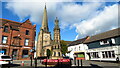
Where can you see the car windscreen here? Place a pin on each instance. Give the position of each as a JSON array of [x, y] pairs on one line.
[[5, 57]]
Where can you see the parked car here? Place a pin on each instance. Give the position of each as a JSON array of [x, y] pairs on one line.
[[4, 59]]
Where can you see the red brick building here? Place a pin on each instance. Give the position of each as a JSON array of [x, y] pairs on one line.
[[17, 39]]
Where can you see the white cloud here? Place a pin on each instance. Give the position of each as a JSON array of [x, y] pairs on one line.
[[33, 9], [72, 13], [105, 20], [85, 17]]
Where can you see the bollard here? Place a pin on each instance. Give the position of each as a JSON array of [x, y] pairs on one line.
[[78, 63], [46, 64], [70, 63], [35, 62], [22, 64], [81, 63]]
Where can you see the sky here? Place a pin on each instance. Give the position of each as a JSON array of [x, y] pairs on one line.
[[77, 19]]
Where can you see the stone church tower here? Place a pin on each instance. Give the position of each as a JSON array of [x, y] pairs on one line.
[[45, 43], [44, 37], [56, 48]]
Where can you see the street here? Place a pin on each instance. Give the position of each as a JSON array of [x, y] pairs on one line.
[[86, 64]]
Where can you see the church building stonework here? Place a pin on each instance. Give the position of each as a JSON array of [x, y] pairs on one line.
[[45, 43]]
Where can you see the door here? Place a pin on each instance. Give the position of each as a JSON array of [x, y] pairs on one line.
[[14, 54]]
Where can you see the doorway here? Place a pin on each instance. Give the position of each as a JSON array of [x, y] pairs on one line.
[[14, 54]]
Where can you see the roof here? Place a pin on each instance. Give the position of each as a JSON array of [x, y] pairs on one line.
[[79, 41], [13, 24], [105, 35]]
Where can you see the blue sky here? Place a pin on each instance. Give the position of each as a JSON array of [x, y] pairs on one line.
[[77, 19]]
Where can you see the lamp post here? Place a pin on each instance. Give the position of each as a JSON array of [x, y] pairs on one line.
[[31, 55]]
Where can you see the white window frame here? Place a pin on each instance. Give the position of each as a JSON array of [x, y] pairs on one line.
[[4, 39], [26, 42]]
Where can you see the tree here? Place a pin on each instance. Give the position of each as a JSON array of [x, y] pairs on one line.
[[63, 47], [48, 53]]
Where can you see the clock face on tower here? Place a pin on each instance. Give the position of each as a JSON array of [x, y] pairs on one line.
[[46, 36]]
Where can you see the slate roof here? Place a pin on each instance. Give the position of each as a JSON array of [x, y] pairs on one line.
[[105, 35], [79, 41]]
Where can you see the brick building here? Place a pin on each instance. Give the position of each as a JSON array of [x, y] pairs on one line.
[[17, 39]]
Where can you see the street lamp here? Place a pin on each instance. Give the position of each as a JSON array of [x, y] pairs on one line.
[[32, 53]]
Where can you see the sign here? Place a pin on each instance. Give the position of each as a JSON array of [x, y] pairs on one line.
[[81, 55], [2, 51], [56, 60], [80, 58]]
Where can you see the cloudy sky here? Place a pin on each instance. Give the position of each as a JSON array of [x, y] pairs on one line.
[[77, 19]]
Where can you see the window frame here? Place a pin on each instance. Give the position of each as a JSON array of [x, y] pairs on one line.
[[26, 42], [27, 32], [4, 30], [3, 39]]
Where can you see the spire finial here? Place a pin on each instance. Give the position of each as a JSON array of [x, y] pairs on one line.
[[45, 5]]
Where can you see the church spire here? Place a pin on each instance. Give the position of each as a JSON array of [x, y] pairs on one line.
[[45, 21]]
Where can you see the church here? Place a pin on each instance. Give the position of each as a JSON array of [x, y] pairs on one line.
[[45, 43]]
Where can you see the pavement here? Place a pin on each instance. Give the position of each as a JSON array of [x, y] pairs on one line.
[[85, 64]]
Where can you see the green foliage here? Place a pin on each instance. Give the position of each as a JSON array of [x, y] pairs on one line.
[[48, 53], [63, 47]]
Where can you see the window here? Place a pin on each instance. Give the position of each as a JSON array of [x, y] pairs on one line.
[[79, 47], [95, 55], [27, 32], [25, 53], [113, 41], [55, 47], [54, 53], [4, 50], [103, 42], [58, 53], [4, 39], [108, 54], [6, 29], [58, 46], [103, 54], [113, 54], [26, 42]]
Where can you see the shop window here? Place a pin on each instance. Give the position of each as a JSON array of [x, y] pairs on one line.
[[95, 55], [109, 54], [27, 32], [103, 54], [113, 54], [6, 29], [4, 39], [4, 50], [106, 54], [25, 53], [26, 42]]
